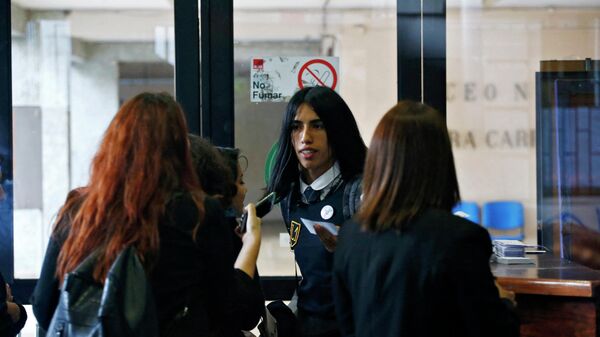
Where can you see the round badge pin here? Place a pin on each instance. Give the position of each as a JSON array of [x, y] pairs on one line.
[[326, 212]]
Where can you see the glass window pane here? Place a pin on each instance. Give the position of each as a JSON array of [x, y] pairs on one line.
[[360, 33], [72, 67], [495, 52]]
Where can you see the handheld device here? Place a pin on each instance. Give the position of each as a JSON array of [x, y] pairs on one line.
[[263, 207]]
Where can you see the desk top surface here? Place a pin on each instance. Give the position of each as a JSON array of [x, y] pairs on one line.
[[549, 275]]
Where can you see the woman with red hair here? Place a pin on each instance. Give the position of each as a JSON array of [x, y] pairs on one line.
[[143, 192]]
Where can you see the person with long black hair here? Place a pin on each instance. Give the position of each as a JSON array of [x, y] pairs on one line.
[[317, 177]]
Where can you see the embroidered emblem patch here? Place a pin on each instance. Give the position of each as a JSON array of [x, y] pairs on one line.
[[294, 233]]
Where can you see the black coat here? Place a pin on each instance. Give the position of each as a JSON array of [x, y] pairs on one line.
[[431, 279], [195, 274], [8, 328]]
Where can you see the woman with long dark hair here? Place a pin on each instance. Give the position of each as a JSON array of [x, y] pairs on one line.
[[317, 176], [143, 192], [213, 170], [234, 160], [221, 176], [406, 266]]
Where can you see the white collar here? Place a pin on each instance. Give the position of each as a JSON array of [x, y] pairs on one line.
[[323, 180]]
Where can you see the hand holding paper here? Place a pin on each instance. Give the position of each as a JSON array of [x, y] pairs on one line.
[[326, 231], [310, 225], [329, 240]]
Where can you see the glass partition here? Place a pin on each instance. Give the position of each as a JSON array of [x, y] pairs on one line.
[[568, 115], [360, 33]]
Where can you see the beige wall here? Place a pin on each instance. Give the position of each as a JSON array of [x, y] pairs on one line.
[[491, 63], [365, 42], [369, 70]]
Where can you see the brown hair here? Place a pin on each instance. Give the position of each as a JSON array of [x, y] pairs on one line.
[[142, 161], [409, 168], [213, 170]]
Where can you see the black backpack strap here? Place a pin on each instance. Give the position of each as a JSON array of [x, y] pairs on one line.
[[285, 204], [285, 210], [352, 193]]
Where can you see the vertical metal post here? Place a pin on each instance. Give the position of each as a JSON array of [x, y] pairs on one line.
[[6, 205], [217, 71], [187, 61], [422, 78]]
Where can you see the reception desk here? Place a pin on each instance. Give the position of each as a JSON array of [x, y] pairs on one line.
[[555, 297]]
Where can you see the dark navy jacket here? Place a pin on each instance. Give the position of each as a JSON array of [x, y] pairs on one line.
[[315, 262]]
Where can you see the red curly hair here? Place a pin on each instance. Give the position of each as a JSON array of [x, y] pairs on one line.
[[143, 159]]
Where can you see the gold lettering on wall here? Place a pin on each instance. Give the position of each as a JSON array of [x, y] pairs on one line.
[[493, 139], [487, 92]]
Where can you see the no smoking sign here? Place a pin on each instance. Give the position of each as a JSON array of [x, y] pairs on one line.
[[317, 72], [277, 78]]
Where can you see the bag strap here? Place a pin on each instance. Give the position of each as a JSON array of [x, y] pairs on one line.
[[285, 204], [352, 194], [86, 267]]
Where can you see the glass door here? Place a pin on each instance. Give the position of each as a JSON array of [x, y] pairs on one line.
[[358, 38], [73, 64]]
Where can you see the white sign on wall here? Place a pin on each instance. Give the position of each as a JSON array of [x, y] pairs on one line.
[[275, 79]]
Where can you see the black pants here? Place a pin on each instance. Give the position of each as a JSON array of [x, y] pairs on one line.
[[311, 325]]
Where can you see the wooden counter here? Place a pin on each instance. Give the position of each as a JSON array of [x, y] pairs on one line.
[[555, 297]]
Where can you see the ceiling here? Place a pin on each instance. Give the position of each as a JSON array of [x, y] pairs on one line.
[[522, 3], [93, 4], [286, 4], [140, 20], [168, 4]]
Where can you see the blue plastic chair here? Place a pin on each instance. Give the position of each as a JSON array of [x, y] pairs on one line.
[[504, 216], [468, 210]]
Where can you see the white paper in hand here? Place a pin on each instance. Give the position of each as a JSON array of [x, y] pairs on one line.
[[310, 225]]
